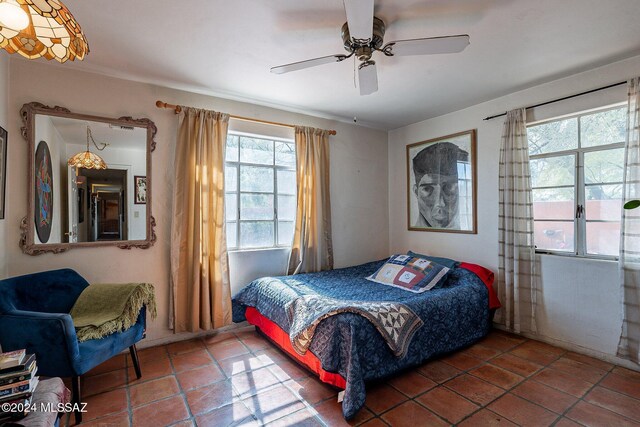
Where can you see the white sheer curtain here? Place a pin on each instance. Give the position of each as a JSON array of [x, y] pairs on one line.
[[629, 345], [516, 268]]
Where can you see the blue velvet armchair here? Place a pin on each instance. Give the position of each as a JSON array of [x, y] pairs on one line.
[[34, 314]]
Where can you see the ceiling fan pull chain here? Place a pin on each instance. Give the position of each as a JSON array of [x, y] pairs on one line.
[[354, 73]]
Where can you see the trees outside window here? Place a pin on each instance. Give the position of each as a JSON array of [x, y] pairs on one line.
[[576, 175], [260, 186]]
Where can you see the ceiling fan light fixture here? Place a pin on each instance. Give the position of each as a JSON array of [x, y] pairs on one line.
[[51, 31]]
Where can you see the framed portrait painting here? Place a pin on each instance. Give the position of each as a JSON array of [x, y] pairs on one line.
[[3, 170], [441, 184], [140, 187]]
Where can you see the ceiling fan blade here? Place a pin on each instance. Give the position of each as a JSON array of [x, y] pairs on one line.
[[359, 18], [368, 78], [295, 66], [428, 46]]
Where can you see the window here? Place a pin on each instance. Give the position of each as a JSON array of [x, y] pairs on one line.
[[260, 181], [576, 175]]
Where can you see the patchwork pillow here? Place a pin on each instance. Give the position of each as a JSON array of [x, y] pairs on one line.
[[413, 274], [447, 262]]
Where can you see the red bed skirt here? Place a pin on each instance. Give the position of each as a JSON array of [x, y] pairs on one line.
[[281, 339]]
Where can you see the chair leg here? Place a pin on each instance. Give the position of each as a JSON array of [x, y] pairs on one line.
[[134, 358], [76, 398]]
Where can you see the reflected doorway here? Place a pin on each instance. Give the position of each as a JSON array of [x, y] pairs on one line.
[[103, 216], [107, 213]]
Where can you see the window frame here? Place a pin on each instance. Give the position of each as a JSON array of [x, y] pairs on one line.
[[238, 192], [579, 186]]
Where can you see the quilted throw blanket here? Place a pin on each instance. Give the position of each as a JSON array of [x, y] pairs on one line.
[[396, 322]]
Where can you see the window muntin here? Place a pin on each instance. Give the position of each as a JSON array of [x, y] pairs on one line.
[[260, 185], [576, 175], [465, 195], [550, 137]]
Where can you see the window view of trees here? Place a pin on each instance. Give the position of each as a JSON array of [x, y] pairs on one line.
[[260, 182], [576, 171]]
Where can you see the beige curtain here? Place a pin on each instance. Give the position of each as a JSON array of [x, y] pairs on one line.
[[201, 296], [629, 262], [516, 258], [312, 248]]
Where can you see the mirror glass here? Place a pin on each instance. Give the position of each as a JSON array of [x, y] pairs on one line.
[[78, 206]]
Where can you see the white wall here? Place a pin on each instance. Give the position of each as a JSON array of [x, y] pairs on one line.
[[359, 177], [246, 266], [578, 298], [4, 100], [46, 131], [580, 302]]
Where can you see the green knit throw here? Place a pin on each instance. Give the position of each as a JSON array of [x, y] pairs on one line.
[[103, 309]]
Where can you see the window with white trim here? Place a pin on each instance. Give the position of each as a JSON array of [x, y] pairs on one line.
[[577, 165], [260, 186]]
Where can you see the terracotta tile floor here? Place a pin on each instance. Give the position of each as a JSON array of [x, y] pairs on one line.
[[238, 378]]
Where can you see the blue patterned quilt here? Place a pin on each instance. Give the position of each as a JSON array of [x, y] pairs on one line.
[[455, 315]]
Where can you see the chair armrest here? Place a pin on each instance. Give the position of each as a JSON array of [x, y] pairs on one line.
[[50, 336]]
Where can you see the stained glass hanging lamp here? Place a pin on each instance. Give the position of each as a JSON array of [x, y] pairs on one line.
[[87, 159], [41, 28]]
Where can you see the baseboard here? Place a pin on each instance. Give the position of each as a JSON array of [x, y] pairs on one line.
[[577, 348], [184, 336]]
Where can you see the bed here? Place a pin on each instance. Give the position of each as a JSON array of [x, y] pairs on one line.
[[347, 350]]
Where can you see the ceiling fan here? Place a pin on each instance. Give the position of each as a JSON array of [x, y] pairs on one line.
[[363, 34]]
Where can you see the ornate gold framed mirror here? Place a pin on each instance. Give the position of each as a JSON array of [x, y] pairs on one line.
[[89, 181]]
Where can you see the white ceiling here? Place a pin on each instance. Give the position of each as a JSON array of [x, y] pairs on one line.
[[226, 48], [74, 131]]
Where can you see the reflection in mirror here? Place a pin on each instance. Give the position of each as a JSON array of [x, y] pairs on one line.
[[75, 200], [93, 205]]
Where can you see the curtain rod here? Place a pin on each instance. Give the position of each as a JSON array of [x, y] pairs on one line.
[[561, 99], [178, 109]]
